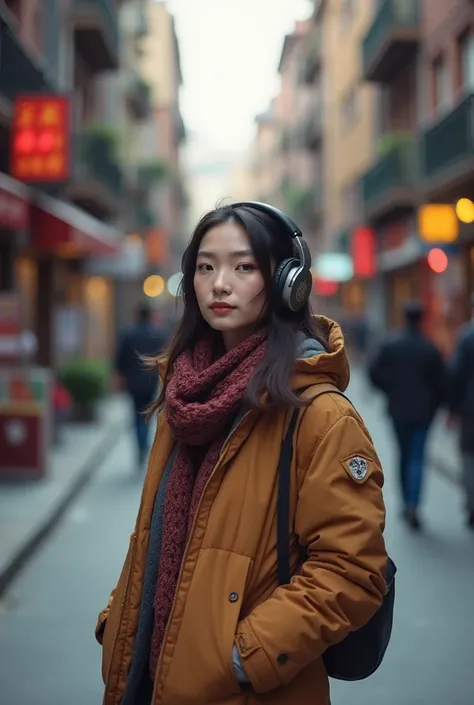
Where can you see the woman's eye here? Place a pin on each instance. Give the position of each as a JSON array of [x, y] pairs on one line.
[[204, 267], [246, 267]]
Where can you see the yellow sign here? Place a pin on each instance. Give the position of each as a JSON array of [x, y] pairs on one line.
[[437, 222]]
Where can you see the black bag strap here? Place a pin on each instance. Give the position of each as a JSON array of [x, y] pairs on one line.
[[283, 505], [284, 483]]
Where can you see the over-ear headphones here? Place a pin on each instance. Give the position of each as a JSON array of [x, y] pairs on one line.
[[293, 280]]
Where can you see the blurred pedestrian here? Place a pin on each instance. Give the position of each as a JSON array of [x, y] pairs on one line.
[[198, 615], [411, 372], [462, 406], [140, 341]]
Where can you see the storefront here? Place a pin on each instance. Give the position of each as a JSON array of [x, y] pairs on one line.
[[14, 221], [68, 303], [402, 264]]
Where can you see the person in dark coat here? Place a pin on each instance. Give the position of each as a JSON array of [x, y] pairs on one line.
[[139, 341], [461, 403], [411, 372]]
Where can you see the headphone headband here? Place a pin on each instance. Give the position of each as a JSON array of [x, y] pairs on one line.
[[300, 244], [290, 225]]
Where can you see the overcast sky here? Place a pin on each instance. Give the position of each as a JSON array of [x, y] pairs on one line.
[[229, 54]]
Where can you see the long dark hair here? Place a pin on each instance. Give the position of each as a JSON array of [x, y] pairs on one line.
[[271, 245]]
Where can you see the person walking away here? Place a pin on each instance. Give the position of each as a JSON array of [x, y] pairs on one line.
[[140, 341], [199, 614], [461, 404], [411, 372]]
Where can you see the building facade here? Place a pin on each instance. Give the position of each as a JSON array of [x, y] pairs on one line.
[[74, 250], [419, 55], [54, 48], [161, 66]]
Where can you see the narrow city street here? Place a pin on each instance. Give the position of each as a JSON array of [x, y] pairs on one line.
[[49, 656]]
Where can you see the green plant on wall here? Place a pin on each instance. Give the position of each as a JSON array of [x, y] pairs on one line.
[[153, 172], [104, 134], [99, 144], [392, 140], [298, 201], [400, 149]]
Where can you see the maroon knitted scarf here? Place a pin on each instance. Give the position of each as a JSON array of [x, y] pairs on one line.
[[202, 396]]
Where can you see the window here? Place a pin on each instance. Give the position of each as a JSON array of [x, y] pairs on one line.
[[442, 86], [349, 109], [466, 61], [347, 12]]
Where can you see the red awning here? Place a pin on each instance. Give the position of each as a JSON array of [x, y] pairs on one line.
[[14, 204], [58, 226]]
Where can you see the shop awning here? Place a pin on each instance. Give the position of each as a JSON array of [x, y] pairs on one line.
[[60, 227], [14, 204]]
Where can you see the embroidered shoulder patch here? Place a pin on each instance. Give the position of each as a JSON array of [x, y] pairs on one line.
[[357, 467]]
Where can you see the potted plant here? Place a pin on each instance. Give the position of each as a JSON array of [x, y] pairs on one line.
[[87, 382]]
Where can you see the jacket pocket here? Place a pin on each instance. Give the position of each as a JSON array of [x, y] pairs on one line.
[[205, 629], [113, 619]]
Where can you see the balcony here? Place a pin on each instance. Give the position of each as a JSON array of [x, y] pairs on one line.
[[392, 40], [311, 61], [138, 96], [96, 32], [448, 151], [97, 180], [310, 130], [19, 73], [389, 188]]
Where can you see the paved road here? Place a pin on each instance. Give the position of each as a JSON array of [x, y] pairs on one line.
[[48, 656]]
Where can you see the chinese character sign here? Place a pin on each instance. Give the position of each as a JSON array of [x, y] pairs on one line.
[[40, 138]]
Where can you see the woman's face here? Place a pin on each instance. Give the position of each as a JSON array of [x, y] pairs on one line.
[[228, 284]]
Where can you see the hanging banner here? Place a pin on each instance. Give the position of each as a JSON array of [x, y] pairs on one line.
[[156, 246], [364, 252]]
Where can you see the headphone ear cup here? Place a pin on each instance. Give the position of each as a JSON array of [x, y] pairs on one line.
[[281, 277], [300, 290]]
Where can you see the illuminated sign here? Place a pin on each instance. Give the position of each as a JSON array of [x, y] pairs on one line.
[[334, 266], [364, 253], [438, 223], [40, 141]]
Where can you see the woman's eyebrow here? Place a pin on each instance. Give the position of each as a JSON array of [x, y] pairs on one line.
[[237, 253]]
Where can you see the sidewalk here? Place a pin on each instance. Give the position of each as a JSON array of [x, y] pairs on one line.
[[30, 510], [444, 451]]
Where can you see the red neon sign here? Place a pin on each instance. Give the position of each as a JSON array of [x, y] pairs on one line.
[[40, 138], [325, 287], [364, 252]]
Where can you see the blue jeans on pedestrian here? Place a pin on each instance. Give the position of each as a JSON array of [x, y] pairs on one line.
[[141, 426], [411, 438]]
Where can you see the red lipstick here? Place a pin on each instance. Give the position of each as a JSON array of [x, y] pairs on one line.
[[221, 307]]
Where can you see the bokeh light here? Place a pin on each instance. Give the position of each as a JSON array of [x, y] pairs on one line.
[[174, 283], [465, 210], [437, 260], [154, 285]]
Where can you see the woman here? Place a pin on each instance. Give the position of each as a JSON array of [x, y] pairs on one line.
[[197, 616]]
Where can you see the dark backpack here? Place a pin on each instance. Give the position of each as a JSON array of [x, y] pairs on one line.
[[360, 654]]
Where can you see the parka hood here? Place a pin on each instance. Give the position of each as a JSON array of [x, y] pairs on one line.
[[316, 365]]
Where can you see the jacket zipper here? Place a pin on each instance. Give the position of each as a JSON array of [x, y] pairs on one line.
[[127, 582], [191, 533]]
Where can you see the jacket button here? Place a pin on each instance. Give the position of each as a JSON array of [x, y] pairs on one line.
[[233, 597], [282, 659]]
